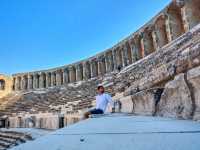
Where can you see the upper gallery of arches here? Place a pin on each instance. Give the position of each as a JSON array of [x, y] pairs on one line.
[[177, 18]]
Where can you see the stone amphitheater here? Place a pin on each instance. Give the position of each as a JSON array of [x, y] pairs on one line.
[[154, 72]]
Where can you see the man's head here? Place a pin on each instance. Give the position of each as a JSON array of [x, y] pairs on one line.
[[100, 89]]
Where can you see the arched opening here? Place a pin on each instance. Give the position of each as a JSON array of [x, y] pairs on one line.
[[19, 83], [129, 53], [160, 30], [148, 42], [14, 83], [87, 71], [79, 72], [48, 79], [94, 67], [119, 59], [2, 84], [175, 21]]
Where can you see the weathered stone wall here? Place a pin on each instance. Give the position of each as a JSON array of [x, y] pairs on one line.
[[43, 120], [5, 85]]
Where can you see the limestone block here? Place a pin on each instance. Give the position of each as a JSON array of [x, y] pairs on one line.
[[126, 104], [144, 103], [193, 77], [176, 99]]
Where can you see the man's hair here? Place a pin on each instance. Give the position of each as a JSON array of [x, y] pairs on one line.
[[100, 86]]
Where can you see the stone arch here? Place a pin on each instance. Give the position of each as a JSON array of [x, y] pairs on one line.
[[2, 84], [160, 31], [148, 41], [175, 21], [29, 123], [192, 12]]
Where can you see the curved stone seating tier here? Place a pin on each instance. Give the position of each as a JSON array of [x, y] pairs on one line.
[[64, 98], [9, 139]]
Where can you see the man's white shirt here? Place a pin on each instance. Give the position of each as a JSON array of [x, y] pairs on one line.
[[102, 101]]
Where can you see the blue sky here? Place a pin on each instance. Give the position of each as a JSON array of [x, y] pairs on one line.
[[42, 34]]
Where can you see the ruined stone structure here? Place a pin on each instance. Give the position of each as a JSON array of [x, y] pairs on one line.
[[5, 85], [169, 24], [154, 71]]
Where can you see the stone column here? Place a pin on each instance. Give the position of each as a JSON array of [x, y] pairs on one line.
[[142, 47], [155, 41], [41, 80], [65, 76], [108, 61], [79, 72], [186, 25], [114, 59], [53, 78], [25, 82], [86, 70], [148, 41], [35, 81], [94, 68], [48, 79], [124, 55], [59, 78], [129, 53], [72, 74], [101, 66], [30, 82], [17, 84], [168, 30]]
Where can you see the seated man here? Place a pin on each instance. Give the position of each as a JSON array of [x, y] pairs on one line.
[[102, 100]]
